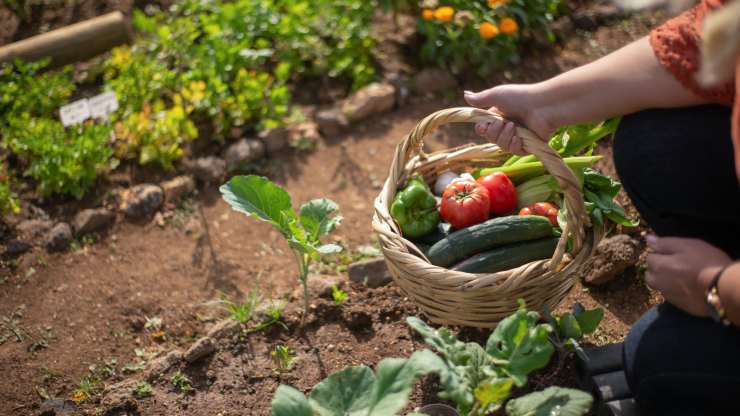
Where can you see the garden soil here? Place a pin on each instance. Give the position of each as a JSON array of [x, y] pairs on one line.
[[89, 307]]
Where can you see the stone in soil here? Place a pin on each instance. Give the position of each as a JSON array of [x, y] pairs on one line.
[[200, 349], [373, 272], [331, 122], [308, 131], [17, 247], [177, 187], [376, 98], [119, 396], [142, 201], [58, 407], [209, 169], [275, 139], [157, 367], [90, 220], [58, 238], [242, 152], [431, 80], [33, 229], [612, 257]]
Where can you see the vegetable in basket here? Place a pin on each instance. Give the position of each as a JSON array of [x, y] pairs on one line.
[[519, 173], [415, 209], [501, 192], [465, 203], [509, 256], [543, 209]]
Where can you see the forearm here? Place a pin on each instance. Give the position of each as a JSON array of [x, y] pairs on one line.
[[623, 82]]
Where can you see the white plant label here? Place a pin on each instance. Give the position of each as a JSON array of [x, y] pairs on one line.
[[102, 104], [74, 113]]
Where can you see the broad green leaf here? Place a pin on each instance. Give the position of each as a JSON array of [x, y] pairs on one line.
[[320, 217], [259, 197], [346, 392], [589, 320], [491, 395], [553, 401], [290, 402], [522, 344], [396, 378], [568, 327]]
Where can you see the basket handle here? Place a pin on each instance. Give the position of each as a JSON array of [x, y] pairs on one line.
[[531, 143]]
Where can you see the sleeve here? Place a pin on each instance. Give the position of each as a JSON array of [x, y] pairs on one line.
[[676, 45]]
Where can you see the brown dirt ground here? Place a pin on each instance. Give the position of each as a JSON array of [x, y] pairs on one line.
[[88, 306]]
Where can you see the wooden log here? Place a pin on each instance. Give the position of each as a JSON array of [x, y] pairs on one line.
[[78, 42]]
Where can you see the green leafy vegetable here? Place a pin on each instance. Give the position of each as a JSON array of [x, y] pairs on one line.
[[259, 197], [357, 391], [599, 192], [553, 401]]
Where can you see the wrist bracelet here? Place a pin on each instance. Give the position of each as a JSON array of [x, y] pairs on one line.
[[716, 310]]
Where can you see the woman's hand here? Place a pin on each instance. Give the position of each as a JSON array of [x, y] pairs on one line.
[[516, 103], [682, 270]]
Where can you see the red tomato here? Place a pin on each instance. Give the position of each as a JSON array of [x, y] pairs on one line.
[[543, 209], [501, 191], [464, 203]]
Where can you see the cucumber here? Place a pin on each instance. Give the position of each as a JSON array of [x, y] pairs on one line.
[[443, 230], [509, 257], [493, 233]]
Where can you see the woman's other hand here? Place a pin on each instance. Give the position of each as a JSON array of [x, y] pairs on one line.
[[682, 270]]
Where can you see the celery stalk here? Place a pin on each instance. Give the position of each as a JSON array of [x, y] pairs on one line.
[[519, 173]]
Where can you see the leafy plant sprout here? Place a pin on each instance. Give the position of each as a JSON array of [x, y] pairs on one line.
[[143, 389], [258, 197], [338, 295], [242, 312], [283, 358], [181, 382]]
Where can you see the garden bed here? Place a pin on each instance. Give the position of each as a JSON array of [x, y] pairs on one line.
[[91, 305]]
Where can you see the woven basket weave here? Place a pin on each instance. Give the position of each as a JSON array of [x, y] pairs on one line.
[[478, 300]]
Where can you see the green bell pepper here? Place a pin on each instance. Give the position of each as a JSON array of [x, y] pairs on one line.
[[415, 209]]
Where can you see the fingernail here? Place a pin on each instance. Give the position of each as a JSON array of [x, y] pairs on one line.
[[468, 93], [651, 239]]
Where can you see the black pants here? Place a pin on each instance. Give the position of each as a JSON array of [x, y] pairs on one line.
[[677, 167]]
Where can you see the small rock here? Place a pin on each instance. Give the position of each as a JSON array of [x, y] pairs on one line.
[[33, 229], [431, 80], [373, 273], [91, 220], [119, 396], [175, 188], [591, 19], [58, 238], [242, 152], [209, 169], [160, 365], [142, 201], [304, 131], [376, 98], [612, 257], [201, 348], [58, 407], [223, 329], [275, 139], [17, 247], [403, 92], [331, 122]]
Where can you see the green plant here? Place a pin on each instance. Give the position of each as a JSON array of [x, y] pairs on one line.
[[181, 382], [338, 295], [283, 358], [154, 323], [479, 380], [143, 390], [260, 198], [570, 328], [358, 391], [242, 312], [62, 161], [27, 89], [8, 199], [88, 388], [482, 35]]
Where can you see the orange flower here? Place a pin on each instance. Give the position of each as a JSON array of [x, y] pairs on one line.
[[444, 14], [488, 30], [509, 26], [427, 14], [496, 3]]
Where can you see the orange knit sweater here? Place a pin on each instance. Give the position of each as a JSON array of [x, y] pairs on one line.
[[676, 45]]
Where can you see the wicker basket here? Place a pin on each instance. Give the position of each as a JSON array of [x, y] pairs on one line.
[[478, 300]]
